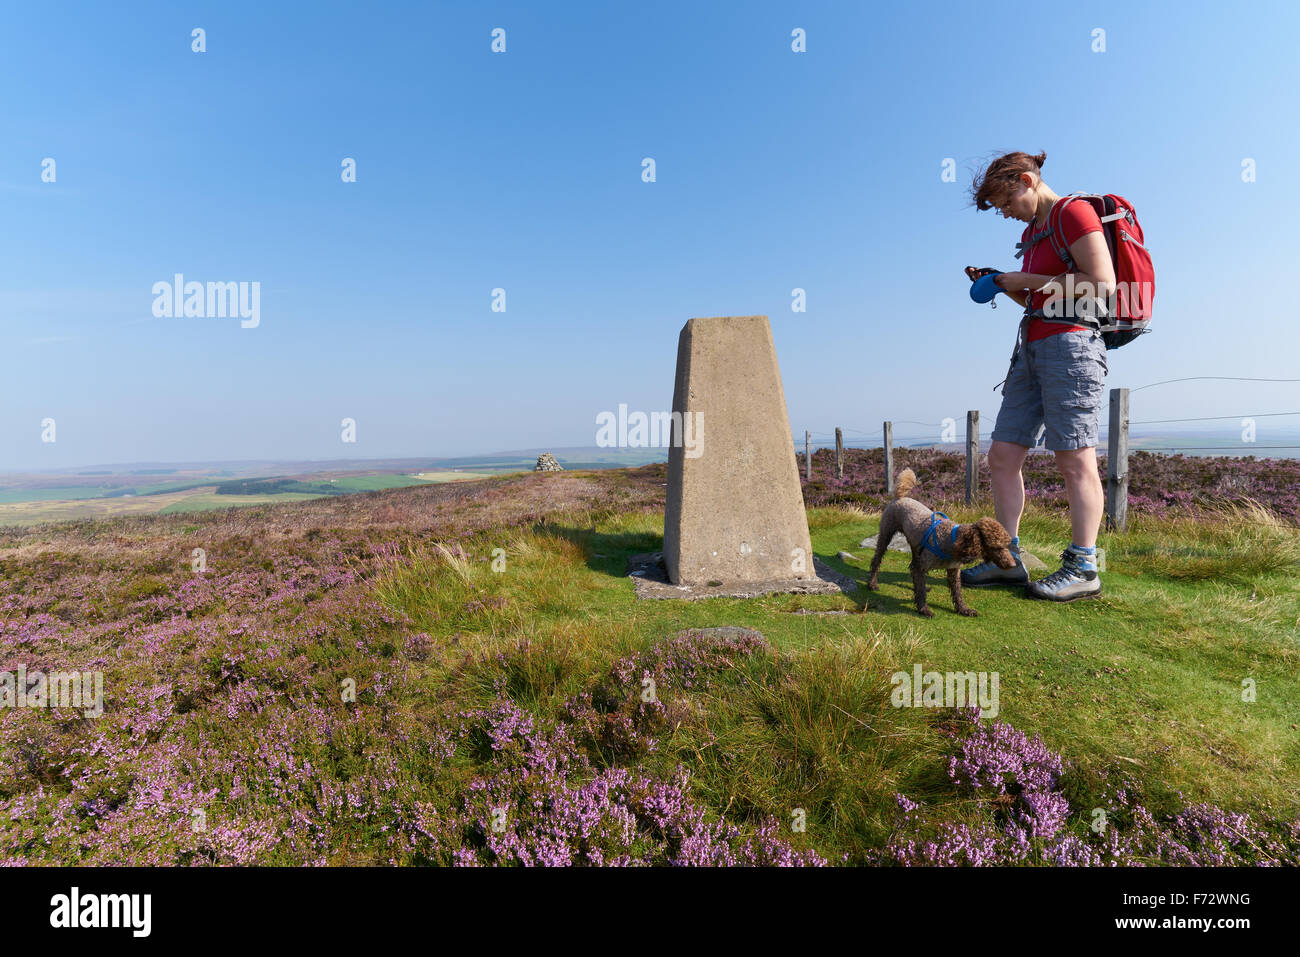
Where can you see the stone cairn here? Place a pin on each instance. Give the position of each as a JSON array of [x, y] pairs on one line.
[[546, 463]]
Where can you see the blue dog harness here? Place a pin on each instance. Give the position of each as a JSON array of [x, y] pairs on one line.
[[930, 541]]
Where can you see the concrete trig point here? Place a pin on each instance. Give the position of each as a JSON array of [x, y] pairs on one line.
[[735, 509]]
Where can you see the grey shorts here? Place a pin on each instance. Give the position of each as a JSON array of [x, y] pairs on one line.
[[1059, 382]]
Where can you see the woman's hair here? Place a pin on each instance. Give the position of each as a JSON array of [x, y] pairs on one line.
[[1001, 176]]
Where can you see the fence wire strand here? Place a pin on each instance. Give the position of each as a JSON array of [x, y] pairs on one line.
[[1197, 378]]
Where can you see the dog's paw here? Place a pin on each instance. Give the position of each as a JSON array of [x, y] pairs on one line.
[[873, 585], [926, 612], [968, 612]]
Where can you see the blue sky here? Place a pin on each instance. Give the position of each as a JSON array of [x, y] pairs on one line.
[[522, 170]]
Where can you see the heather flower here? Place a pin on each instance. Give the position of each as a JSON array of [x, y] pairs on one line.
[[998, 759], [539, 801], [418, 646]]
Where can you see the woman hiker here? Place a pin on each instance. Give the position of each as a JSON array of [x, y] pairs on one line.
[[1057, 377]]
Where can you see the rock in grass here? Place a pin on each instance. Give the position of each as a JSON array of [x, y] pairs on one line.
[[1032, 562], [899, 544]]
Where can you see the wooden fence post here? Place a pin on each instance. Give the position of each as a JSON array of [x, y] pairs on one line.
[[889, 458], [839, 453], [1117, 462], [972, 454], [807, 456]]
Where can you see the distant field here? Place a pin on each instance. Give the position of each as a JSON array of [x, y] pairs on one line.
[[28, 513], [374, 483], [63, 493], [28, 506]]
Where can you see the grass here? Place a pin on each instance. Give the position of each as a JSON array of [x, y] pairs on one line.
[[1147, 680]]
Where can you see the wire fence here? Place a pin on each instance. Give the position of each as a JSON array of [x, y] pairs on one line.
[[822, 440], [1115, 438]]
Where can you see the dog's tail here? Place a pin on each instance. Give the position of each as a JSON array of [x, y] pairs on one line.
[[905, 482]]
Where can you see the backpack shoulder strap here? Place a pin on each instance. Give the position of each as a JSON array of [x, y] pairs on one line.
[[1107, 212], [1059, 245]]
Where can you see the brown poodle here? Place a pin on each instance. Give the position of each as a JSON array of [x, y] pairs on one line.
[[937, 542]]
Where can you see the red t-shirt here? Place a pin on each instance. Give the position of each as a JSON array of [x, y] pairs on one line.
[[1077, 219]]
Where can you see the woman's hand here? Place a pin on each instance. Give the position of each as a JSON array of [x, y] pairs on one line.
[[985, 288], [1013, 284], [1018, 294]]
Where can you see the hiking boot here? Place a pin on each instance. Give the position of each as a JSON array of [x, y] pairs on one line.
[[986, 573], [1076, 578]]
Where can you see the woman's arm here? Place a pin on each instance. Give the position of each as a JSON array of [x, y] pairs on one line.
[[1094, 266]]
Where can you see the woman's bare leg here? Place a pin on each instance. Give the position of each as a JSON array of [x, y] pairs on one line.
[[1078, 467], [1005, 461]]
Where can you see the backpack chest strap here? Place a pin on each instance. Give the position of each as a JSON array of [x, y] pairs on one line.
[[1023, 247]]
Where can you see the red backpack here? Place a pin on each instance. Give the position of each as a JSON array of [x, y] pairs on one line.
[[1135, 276]]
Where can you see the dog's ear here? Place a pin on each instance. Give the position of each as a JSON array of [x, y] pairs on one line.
[[993, 534]]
